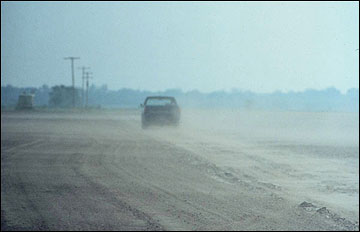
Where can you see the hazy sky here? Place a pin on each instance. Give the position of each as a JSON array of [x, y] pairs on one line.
[[258, 46]]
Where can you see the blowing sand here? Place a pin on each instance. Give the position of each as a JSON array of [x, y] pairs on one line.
[[219, 170]]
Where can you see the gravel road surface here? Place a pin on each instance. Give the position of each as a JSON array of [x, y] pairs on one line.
[[101, 171]]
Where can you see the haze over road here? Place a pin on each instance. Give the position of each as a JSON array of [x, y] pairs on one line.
[[220, 170]]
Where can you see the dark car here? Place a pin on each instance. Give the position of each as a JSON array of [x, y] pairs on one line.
[[160, 110]]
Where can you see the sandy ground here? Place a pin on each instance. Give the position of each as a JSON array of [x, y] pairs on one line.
[[220, 170]]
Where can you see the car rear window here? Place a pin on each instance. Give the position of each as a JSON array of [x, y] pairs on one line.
[[159, 101]]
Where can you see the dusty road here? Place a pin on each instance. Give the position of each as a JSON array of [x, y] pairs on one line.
[[220, 170]]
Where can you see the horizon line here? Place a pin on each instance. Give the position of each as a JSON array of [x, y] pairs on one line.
[[233, 90]]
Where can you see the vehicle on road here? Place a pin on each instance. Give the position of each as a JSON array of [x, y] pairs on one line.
[[160, 110]]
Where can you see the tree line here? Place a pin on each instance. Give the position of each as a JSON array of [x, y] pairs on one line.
[[329, 99]]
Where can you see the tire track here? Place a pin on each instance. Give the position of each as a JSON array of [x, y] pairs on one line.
[[192, 209], [76, 163], [14, 182]]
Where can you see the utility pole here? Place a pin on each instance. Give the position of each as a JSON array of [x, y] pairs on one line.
[[87, 87], [83, 80], [71, 58]]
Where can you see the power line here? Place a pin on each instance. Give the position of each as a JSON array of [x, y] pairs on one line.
[[87, 77], [71, 58], [83, 68]]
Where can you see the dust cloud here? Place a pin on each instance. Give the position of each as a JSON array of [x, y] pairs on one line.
[[311, 156], [220, 169]]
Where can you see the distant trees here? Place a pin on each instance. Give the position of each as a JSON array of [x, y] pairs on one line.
[[329, 99], [41, 96], [62, 97], [9, 95]]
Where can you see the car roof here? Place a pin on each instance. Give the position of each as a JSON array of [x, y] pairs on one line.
[[160, 97]]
